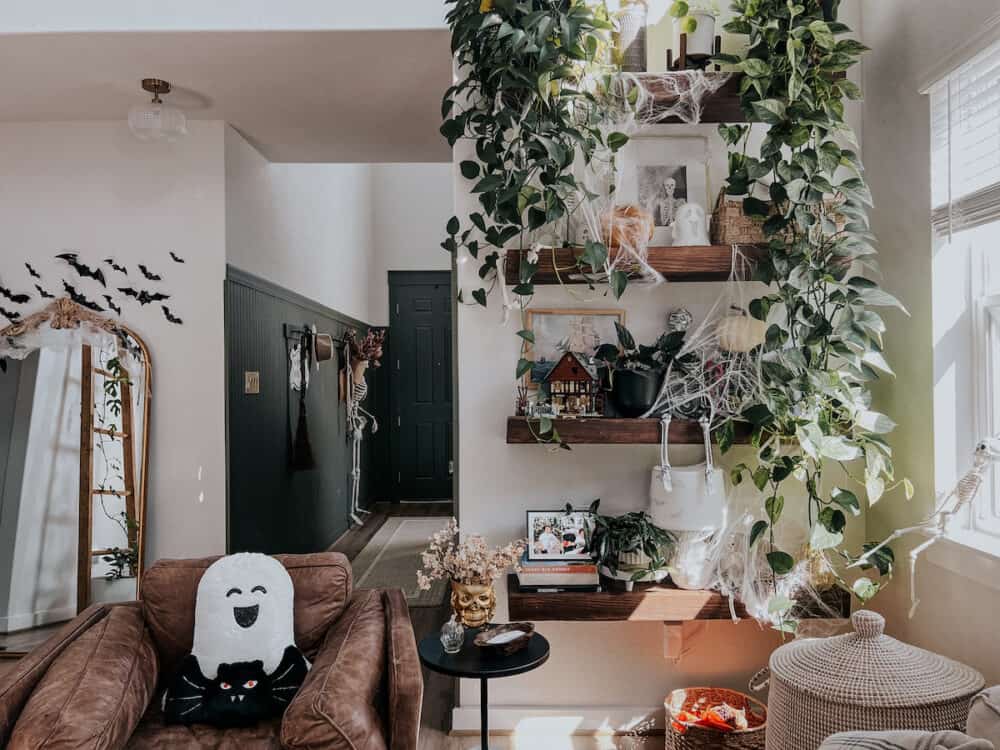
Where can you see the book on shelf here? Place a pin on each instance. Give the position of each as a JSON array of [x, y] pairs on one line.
[[586, 589], [559, 573]]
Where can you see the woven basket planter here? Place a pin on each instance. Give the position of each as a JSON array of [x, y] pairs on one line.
[[703, 738], [863, 681], [730, 226]]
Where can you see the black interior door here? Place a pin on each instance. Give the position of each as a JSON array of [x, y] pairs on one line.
[[421, 384]]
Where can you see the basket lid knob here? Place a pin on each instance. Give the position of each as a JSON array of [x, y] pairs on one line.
[[868, 624]]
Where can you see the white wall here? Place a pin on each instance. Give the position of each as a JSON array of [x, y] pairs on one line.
[[332, 232], [411, 205], [957, 616], [188, 15], [92, 188], [307, 227]]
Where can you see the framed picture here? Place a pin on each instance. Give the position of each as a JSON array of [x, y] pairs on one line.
[[558, 535], [560, 331], [661, 175]]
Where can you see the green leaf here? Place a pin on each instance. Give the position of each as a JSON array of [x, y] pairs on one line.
[[755, 68], [779, 604], [771, 111], [758, 528], [679, 8], [908, 489], [865, 588], [595, 254], [479, 295], [773, 506], [822, 34], [761, 476], [875, 422], [833, 519], [616, 141], [523, 366], [619, 280], [527, 335], [469, 169], [756, 207], [780, 562], [846, 500], [453, 226]]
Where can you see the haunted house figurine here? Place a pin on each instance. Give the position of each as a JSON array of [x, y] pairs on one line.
[[574, 387]]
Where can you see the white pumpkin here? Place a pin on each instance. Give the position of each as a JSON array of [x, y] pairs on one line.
[[741, 333]]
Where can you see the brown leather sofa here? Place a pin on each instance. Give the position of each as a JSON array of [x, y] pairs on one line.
[[98, 682]]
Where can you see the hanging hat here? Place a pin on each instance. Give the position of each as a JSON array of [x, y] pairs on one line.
[[322, 347]]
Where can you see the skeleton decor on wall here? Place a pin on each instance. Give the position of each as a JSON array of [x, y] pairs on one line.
[[358, 355]]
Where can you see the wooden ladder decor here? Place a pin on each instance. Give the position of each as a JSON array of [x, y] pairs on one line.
[[85, 550]]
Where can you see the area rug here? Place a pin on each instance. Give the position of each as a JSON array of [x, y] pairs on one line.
[[392, 558]]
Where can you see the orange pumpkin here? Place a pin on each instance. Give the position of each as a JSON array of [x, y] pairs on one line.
[[627, 225]]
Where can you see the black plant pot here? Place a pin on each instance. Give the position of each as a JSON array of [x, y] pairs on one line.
[[830, 8], [634, 391]]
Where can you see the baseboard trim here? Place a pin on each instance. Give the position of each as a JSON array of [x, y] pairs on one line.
[[561, 721], [27, 620]]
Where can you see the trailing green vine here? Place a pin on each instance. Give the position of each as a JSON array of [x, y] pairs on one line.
[[824, 342]]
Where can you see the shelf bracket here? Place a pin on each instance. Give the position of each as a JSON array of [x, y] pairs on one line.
[[677, 637]]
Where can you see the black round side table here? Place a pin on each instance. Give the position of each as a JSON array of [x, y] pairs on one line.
[[480, 664]]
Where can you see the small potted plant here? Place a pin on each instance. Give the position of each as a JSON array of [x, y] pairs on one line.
[[629, 548], [472, 567], [635, 371], [697, 20]]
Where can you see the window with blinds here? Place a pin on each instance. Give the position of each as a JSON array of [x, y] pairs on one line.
[[965, 145]]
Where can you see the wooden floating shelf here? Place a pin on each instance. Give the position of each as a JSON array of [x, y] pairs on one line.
[[722, 106], [645, 603], [661, 602], [611, 431], [682, 263]]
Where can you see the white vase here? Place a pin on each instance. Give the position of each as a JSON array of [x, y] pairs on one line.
[[632, 38], [702, 40]]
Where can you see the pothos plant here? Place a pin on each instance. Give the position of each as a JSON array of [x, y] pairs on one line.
[[824, 341], [520, 100]]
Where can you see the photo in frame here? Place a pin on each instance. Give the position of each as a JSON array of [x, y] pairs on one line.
[[558, 535], [661, 174], [557, 332]]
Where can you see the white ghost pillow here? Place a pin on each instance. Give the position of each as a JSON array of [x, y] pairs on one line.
[[244, 665]]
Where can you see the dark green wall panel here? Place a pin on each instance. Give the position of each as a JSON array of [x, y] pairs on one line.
[[271, 508]]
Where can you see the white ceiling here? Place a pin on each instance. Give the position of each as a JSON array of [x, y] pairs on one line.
[[298, 96]]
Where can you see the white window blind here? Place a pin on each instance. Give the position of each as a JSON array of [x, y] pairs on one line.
[[965, 145]]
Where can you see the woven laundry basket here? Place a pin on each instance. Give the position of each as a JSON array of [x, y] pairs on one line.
[[864, 680]]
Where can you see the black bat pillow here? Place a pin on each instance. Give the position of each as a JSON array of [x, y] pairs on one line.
[[240, 695]]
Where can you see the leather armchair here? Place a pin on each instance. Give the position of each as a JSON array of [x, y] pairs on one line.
[[98, 682]]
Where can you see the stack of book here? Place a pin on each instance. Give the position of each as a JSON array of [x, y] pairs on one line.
[[558, 575]]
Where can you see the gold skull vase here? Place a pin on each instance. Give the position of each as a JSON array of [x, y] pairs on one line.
[[474, 603]]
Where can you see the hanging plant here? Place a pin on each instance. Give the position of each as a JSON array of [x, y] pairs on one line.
[[823, 344], [521, 100]]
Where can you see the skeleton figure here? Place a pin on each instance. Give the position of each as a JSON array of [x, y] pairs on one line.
[[936, 524], [668, 203], [357, 421]]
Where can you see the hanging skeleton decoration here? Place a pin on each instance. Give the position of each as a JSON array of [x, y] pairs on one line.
[[359, 354], [949, 505]]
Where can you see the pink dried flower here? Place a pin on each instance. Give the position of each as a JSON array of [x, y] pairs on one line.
[[470, 561]]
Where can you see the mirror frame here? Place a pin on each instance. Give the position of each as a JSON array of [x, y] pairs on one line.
[[64, 314]]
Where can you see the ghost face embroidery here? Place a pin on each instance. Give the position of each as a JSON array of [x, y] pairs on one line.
[[243, 613]]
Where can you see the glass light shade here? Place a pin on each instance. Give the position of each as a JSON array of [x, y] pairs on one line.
[[157, 122]]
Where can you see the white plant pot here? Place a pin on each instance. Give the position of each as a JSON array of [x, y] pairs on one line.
[[702, 40]]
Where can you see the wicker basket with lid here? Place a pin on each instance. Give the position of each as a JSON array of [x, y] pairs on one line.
[[864, 680]]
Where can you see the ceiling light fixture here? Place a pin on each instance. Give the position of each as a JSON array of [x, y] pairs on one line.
[[156, 121]]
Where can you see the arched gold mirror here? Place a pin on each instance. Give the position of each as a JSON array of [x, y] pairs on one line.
[[75, 391]]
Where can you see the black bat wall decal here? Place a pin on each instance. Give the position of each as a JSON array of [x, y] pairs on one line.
[[149, 274], [17, 299], [80, 299], [34, 274], [170, 316], [10, 315], [115, 266], [175, 258], [112, 305], [83, 269], [143, 297], [45, 295]]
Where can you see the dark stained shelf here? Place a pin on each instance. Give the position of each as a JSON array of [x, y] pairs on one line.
[[646, 602], [661, 602], [610, 431], [687, 263]]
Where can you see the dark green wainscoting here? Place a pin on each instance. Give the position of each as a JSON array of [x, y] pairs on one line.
[[272, 508]]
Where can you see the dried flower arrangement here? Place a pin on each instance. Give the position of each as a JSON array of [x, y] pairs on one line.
[[368, 348], [468, 562]]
